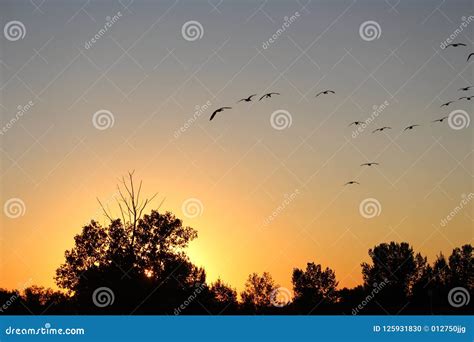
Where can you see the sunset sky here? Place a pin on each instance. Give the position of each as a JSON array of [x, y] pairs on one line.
[[151, 79]]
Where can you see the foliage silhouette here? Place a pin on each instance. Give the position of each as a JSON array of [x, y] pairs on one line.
[[258, 294], [141, 259], [314, 286]]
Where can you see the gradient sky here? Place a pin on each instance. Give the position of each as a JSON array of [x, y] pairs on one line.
[[239, 167]]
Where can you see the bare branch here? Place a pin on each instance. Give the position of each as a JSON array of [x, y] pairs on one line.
[[104, 210]]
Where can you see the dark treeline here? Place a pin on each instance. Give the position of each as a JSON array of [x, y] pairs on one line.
[[137, 265]]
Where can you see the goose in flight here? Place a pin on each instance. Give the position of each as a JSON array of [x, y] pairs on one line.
[[470, 55], [325, 92], [455, 45], [356, 123], [369, 164], [247, 99], [352, 182], [446, 104], [268, 96], [465, 88], [218, 111], [440, 120], [466, 97], [410, 127], [381, 129]]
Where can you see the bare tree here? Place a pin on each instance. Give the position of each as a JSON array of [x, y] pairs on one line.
[[130, 205]]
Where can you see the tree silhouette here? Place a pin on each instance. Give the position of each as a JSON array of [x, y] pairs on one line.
[[168, 283], [139, 259], [314, 286], [258, 293], [432, 287], [461, 266], [132, 255], [223, 298], [393, 264]]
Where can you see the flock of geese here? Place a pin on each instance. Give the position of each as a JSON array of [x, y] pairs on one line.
[[357, 123], [245, 99]]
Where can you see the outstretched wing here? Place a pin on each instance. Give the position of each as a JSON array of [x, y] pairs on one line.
[[214, 114]]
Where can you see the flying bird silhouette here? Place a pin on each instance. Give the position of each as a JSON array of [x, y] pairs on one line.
[[352, 182], [247, 99], [410, 127], [325, 92], [369, 164], [268, 96], [218, 111], [455, 45], [470, 55], [381, 129], [446, 104], [357, 123], [466, 97], [465, 88], [440, 120]]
